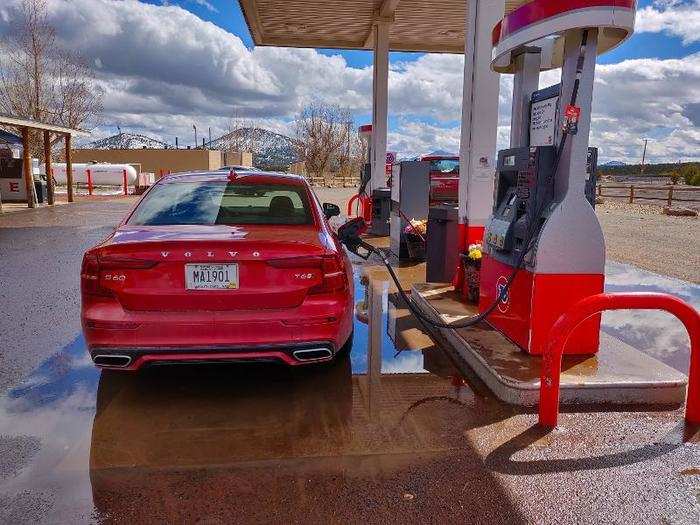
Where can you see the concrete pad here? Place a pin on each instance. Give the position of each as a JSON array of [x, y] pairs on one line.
[[618, 374]]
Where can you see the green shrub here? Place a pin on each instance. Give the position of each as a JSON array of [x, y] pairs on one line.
[[691, 174]]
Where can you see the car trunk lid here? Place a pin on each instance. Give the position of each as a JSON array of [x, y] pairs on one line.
[[145, 266]]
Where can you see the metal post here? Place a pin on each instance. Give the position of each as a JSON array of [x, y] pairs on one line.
[[88, 173], [47, 168], [525, 83], [69, 169], [477, 149], [380, 97], [27, 169], [571, 174], [126, 185], [631, 193]]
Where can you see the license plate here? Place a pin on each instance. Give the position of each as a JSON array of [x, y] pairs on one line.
[[211, 276]]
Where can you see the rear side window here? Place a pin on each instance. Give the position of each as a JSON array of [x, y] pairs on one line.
[[445, 166], [214, 202]]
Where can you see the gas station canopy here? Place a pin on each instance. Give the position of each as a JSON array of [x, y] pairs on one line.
[[415, 25]]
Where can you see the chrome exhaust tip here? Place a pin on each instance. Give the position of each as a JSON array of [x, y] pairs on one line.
[[313, 354], [112, 361]]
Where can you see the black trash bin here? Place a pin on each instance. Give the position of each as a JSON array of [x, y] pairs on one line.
[[381, 212], [442, 250]]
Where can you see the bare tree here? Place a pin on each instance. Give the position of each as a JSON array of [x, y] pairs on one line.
[[41, 81], [321, 137]]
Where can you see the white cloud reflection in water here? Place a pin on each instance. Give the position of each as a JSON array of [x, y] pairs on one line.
[[656, 333]]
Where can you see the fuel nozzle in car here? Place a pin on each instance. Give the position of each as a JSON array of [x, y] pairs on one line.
[[349, 234]]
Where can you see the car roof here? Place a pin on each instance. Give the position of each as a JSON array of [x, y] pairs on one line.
[[245, 177], [238, 167]]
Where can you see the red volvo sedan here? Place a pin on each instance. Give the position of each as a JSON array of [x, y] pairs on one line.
[[219, 267]]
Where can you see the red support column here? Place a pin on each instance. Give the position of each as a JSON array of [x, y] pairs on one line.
[[89, 181], [126, 186]]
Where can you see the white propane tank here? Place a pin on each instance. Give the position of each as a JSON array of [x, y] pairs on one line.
[[102, 174]]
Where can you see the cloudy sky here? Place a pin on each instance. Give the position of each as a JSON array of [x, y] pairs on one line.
[[164, 65]]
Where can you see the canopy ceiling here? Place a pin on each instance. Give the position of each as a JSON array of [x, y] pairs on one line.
[[415, 25]]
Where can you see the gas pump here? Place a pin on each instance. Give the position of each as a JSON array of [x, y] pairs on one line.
[[543, 241], [543, 245], [375, 208]]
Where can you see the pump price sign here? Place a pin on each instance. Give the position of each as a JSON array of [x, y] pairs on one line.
[[543, 117]]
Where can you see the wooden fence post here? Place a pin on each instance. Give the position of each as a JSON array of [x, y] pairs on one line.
[[631, 193], [47, 168], [670, 196], [27, 169], [69, 169]]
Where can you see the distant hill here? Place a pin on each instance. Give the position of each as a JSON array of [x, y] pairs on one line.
[[271, 151], [613, 163], [126, 141], [442, 153]]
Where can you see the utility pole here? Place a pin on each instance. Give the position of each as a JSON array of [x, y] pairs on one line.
[[644, 154], [209, 136], [195, 136]]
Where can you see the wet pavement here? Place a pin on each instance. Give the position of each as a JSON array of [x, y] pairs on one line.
[[393, 432]]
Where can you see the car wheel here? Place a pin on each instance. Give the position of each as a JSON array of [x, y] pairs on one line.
[[347, 347]]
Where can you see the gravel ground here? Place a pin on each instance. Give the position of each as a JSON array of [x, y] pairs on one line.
[[638, 234], [643, 236]]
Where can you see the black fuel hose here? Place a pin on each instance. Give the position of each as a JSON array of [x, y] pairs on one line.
[[529, 242]]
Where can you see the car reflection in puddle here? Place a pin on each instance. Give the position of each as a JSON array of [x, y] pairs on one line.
[[105, 436]]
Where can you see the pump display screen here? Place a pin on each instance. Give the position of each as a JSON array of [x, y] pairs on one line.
[[509, 161]]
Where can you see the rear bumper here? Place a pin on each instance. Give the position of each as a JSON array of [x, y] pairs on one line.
[[124, 358], [194, 336]]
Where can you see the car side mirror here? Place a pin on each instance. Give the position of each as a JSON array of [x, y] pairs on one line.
[[330, 210]]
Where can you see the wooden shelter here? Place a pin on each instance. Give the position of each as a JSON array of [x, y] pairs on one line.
[[27, 127]]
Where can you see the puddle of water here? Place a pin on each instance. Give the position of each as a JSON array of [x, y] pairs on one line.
[[658, 334], [85, 446], [104, 437]]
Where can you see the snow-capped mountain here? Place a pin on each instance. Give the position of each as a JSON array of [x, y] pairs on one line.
[[271, 151], [127, 141], [614, 163]]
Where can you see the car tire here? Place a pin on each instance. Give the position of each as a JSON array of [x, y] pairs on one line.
[[347, 347]]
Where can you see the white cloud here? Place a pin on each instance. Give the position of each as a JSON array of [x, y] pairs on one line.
[[673, 17], [163, 69], [206, 5]]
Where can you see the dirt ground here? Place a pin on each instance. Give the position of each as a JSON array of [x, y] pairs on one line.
[[637, 234]]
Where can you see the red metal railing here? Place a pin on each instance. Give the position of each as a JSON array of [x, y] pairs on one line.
[[560, 331], [365, 204]]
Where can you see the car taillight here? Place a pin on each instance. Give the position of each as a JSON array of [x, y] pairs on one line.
[[90, 276], [93, 265], [334, 277], [121, 262]]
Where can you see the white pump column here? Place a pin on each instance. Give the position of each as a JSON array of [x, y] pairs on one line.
[[574, 218], [380, 99], [477, 149], [525, 82]]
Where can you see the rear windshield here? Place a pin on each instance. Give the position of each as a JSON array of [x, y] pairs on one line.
[[214, 202], [445, 166]]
